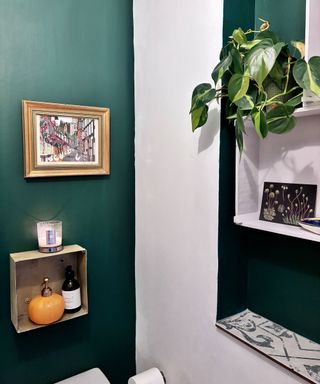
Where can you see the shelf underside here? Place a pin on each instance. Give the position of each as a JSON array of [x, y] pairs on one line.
[[251, 220], [24, 324], [294, 352]]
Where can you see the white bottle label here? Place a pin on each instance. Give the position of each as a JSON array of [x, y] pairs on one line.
[[72, 299]]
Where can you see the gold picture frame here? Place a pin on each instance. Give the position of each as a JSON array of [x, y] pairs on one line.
[[65, 140]]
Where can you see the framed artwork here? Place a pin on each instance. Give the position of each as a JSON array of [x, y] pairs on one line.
[[287, 203], [65, 140]]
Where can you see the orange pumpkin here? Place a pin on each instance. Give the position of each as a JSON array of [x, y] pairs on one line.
[[47, 307]]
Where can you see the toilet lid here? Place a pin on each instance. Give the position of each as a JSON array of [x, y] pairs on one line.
[[94, 375]]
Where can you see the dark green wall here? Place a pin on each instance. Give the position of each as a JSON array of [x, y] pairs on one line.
[[276, 276], [286, 17], [284, 281], [232, 245], [79, 52]]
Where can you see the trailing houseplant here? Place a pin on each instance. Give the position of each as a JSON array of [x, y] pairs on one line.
[[261, 78]]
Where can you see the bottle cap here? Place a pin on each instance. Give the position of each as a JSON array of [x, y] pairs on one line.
[[69, 272]]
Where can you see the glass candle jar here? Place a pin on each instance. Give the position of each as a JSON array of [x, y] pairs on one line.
[[49, 236]]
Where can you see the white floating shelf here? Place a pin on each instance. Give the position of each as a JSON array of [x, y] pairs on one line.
[[293, 157], [251, 220]]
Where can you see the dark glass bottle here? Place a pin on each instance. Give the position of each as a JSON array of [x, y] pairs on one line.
[[71, 292]]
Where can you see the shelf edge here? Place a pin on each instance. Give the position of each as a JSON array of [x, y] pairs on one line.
[[307, 111], [251, 221], [260, 333]]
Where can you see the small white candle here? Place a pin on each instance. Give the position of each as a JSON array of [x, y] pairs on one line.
[[49, 233]]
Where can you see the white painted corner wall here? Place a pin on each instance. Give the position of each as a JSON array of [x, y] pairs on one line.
[[177, 43]]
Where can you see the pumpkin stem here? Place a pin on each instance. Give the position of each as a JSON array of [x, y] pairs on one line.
[[46, 291]]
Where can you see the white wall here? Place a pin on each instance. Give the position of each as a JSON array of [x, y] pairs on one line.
[[176, 45]]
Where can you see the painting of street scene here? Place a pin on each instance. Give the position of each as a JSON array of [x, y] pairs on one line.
[[66, 139]]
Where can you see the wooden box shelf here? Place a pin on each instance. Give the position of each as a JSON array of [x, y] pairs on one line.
[[27, 269]]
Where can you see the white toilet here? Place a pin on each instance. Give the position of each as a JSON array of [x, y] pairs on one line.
[[93, 376]]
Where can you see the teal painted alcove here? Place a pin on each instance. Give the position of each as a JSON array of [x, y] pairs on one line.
[[286, 17], [273, 275], [78, 52], [232, 244]]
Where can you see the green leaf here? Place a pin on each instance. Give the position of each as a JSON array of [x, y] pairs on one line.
[[221, 68], [200, 89], [278, 47], [294, 101], [250, 44], [238, 86], [261, 58], [239, 130], [239, 36], [307, 75], [280, 119], [277, 74], [236, 65], [268, 35], [299, 45], [260, 123], [253, 91], [280, 110], [230, 108], [282, 124], [209, 96], [225, 50], [202, 94], [245, 103], [199, 117]]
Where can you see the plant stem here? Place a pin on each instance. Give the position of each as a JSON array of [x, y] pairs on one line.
[[288, 73], [284, 93], [250, 31]]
